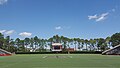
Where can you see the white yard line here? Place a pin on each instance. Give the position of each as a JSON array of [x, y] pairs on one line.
[[70, 56], [44, 56]]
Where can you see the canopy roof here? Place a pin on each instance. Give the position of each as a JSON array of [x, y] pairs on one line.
[[56, 44]]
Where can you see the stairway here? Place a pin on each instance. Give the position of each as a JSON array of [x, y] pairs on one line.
[[4, 53], [114, 51]]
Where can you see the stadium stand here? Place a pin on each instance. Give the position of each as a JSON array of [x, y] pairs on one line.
[[4, 53], [114, 51]]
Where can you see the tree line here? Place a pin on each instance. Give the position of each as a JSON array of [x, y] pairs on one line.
[[36, 44]]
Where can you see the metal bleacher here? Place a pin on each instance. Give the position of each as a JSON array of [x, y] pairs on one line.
[[114, 51], [4, 53]]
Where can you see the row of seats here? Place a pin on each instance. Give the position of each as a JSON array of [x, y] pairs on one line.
[[2, 52]]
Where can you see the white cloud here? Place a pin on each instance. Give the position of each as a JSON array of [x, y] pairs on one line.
[[58, 27], [104, 14], [2, 31], [3, 1], [92, 17], [25, 34], [9, 32], [113, 10], [99, 17], [102, 17]]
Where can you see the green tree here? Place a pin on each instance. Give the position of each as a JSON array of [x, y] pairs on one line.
[[102, 44], [75, 43], [42, 44], [86, 42], [82, 43], [50, 41], [80, 46], [1, 40], [56, 39], [18, 43], [92, 44], [22, 46], [27, 43], [12, 46], [108, 42], [36, 40], [115, 39], [31, 43], [7, 43], [64, 43]]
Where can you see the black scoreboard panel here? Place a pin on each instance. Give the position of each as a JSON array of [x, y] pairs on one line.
[[56, 47]]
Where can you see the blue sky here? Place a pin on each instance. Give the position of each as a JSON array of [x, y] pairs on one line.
[[70, 18]]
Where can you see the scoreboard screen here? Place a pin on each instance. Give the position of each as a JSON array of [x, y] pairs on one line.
[[56, 47]]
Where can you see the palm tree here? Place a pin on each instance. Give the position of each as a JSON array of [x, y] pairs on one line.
[[115, 39], [56, 39], [50, 41], [17, 43], [64, 43], [22, 46], [7, 43], [82, 43], [26, 42], [96, 44], [42, 44], [92, 44], [1, 40], [69, 41], [79, 43], [12, 46], [31, 43], [102, 44], [36, 39], [108, 41], [86, 42], [75, 43], [45, 43]]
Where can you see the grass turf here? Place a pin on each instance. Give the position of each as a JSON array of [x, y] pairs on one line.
[[66, 61]]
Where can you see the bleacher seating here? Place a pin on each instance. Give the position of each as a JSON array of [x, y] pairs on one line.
[[114, 51], [4, 53]]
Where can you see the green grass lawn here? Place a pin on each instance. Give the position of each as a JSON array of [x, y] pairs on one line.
[[63, 61]]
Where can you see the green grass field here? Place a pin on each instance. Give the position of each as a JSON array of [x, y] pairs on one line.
[[62, 61]]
